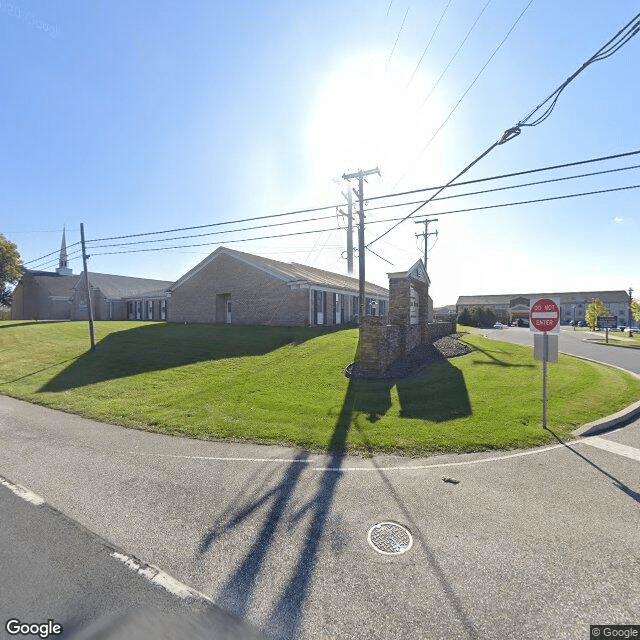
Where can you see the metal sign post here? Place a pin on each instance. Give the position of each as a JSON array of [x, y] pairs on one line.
[[544, 318]]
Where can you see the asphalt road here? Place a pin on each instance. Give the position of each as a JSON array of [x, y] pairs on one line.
[[55, 570], [539, 545], [585, 344]]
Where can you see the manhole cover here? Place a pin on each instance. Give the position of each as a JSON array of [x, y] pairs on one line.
[[389, 538]]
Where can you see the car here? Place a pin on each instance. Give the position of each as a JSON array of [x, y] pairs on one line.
[[622, 328], [498, 325], [581, 323]]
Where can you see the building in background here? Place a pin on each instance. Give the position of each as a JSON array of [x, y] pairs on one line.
[[510, 307], [226, 287]]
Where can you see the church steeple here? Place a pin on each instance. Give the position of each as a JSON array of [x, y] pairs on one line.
[[63, 269]]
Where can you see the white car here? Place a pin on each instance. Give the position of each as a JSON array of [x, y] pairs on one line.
[[498, 325]]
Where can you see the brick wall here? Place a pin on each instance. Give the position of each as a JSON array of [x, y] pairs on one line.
[[382, 344], [256, 297]]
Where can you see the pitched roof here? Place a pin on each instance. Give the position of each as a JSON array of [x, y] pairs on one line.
[[292, 273], [55, 284], [115, 287], [570, 297]]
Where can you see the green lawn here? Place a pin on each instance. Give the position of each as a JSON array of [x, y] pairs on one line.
[[281, 384]]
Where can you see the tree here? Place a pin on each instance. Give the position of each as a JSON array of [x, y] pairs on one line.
[[595, 309], [465, 318], [635, 309], [10, 270]]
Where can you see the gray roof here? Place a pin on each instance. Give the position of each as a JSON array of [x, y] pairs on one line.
[[570, 297], [116, 287], [293, 273], [55, 284]]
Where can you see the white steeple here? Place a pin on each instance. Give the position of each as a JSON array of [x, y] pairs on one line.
[[63, 269]]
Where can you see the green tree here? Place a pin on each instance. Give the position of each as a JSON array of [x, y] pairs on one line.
[[465, 318], [635, 309], [10, 270], [595, 309]]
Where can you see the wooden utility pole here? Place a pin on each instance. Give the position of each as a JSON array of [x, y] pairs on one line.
[[86, 279], [360, 193], [349, 197], [426, 235]]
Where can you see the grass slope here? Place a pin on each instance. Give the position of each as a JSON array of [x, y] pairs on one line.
[[282, 384]]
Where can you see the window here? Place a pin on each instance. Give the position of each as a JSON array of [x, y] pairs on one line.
[[163, 309], [149, 309]]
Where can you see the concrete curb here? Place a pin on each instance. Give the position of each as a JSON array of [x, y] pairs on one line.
[[615, 419]]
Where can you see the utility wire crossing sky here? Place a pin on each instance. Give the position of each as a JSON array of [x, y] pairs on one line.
[[135, 122]]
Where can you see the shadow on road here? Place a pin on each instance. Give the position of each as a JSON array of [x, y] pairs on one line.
[[284, 621], [616, 483]]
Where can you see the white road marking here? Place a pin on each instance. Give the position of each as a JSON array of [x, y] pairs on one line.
[[162, 579], [613, 447], [21, 492], [399, 468]]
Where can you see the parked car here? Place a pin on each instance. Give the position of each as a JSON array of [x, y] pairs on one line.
[[521, 322], [498, 325], [581, 323]]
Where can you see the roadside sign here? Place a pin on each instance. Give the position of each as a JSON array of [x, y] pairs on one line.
[[607, 322], [552, 347], [544, 315]]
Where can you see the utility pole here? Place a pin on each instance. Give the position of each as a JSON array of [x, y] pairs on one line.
[[361, 175], [630, 311], [426, 235], [349, 197], [86, 279]]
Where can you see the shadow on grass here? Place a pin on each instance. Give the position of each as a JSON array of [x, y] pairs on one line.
[[33, 373], [160, 346], [497, 361], [8, 324], [616, 483], [277, 493]]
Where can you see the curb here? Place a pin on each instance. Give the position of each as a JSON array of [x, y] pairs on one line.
[[615, 419]]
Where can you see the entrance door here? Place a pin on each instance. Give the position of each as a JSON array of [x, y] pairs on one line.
[[228, 311]]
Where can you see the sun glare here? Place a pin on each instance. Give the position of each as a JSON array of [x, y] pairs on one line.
[[366, 116]]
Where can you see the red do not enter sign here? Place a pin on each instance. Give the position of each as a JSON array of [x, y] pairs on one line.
[[544, 315]]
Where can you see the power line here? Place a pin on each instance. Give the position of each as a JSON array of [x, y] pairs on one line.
[[429, 43], [564, 197], [218, 224], [615, 44], [512, 186], [509, 175], [440, 213], [389, 206], [462, 97], [455, 55], [397, 38], [514, 131], [369, 199], [46, 255], [205, 244]]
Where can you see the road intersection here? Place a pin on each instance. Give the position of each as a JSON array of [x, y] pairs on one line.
[[527, 544]]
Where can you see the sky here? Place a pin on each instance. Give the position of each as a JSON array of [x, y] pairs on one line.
[[138, 117]]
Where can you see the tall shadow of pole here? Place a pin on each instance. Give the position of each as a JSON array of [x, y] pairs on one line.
[[287, 614], [236, 594], [617, 483]]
